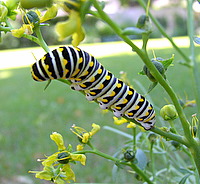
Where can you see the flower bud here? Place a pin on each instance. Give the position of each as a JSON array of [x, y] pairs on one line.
[[129, 155], [142, 21], [168, 112], [152, 137], [63, 157], [159, 67], [31, 17]]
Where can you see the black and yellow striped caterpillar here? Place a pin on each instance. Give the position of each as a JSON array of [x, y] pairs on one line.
[[88, 75]]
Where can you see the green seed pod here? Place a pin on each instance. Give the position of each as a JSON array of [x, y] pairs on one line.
[[28, 4], [159, 67], [61, 157], [168, 112], [152, 137], [129, 155], [31, 17], [175, 144], [142, 21]]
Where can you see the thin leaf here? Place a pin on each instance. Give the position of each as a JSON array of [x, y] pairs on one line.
[[183, 180], [133, 31], [167, 62]]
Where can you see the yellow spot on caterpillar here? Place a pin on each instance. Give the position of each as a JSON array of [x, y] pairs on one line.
[[147, 113], [130, 92], [130, 114], [85, 73], [141, 100], [125, 101], [140, 119], [104, 100], [99, 71], [92, 79], [116, 107], [101, 86], [80, 60], [65, 72], [112, 93], [136, 107], [107, 77], [91, 63], [147, 120], [64, 61], [83, 85], [60, 49], [119, 85], [76, 72], [92, 93], [150, 108]]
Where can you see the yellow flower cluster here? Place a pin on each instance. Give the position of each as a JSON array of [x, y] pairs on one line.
[[71, 27], [56, 167]]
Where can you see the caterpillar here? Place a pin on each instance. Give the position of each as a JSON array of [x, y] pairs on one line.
[[88, 75]]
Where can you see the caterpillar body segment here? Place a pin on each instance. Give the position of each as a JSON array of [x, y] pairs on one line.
[[88, 75]]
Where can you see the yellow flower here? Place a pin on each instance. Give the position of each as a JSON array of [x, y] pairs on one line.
[[25, 29], [49, 14], [58, 139], [33, 19], [120, 121], [131, 125], [57, 166], [83, 135], [71, 27]]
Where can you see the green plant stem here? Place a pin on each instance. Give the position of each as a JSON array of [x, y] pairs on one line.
[[41, 42], [133, 166], [162, 31], [152, 161], [134, 140], [195, 68]]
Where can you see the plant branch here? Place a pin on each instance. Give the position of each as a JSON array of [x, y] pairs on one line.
[[162, 31], [116, 160]]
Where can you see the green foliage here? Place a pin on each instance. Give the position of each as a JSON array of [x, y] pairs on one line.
[[142, 150]]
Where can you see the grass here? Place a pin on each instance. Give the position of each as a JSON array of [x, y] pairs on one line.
[[29, 114]]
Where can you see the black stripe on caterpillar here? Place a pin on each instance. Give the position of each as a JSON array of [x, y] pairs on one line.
[[88, 75]]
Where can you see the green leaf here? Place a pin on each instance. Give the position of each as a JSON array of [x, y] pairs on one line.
[[167, 62], [141, 158], [152, 86], [133, 31], [183, 180]]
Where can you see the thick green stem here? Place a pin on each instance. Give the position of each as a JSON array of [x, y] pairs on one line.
[[133, 166], [195, 68]]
